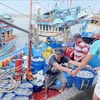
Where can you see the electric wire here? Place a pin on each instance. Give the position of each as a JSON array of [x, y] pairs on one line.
[[17, 11]]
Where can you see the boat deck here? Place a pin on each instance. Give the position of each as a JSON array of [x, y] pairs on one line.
[[75, 94], [68, 94]]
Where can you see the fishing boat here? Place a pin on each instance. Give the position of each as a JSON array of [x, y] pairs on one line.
[[22, 72], [7, 39], [57, 22]]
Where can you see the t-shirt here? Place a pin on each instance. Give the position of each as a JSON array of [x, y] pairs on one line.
[[67, 52], [51, 69], [80, 49], [95, 49]]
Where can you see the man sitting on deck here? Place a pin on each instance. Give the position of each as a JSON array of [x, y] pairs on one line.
[[55, 67]]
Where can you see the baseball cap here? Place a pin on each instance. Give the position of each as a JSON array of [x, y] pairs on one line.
[[59, 51], [64, 45], [77, 35]]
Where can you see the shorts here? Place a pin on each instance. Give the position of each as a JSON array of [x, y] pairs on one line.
[[50, 79]]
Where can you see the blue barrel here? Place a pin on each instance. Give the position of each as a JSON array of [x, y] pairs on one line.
[[37, 65], [37, 88], [36, 52], [94, 62], [59, 44], [44, 45], [69, 80], [84, 34], [83, 83], [53, 44], [49, 39]]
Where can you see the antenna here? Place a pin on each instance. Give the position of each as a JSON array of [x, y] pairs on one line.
[[70, 3], [93, 9]]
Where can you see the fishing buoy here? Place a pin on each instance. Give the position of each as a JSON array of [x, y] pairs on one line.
[[5, 62], [49, 49], [9, 60], [1, 64], [18, 69], [44, 55], [48, 54], [20, 54], [12, 57]]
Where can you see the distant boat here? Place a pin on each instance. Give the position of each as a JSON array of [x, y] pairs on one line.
[[7, 39], [56, 22], [91, 29]]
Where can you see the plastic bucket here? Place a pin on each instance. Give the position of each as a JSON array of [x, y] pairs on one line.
[[37, 88], [33, 70], [49, 39], [44, 45], [83, 83], [59, 44], [84, 34], [36, 52], [53, 44], [18, 69], [69, 80], [38, 65]]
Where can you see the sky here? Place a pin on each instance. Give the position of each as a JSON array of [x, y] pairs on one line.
[[23, 6]]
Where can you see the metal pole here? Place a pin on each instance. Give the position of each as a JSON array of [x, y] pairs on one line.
[[21, 29], [14, 26], [30, 37]]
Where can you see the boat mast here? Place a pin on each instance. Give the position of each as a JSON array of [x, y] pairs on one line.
[[70, 3], [30, 37]]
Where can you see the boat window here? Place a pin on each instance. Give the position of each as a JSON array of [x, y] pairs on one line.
[[50, 27], [8, 34], [61, 29], [56, 29], [43, 27], [46, 27], [40, 27], [92, 21]]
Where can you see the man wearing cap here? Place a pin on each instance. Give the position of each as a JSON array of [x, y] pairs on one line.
[[81, 48], [67, 51], [55, 68]]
